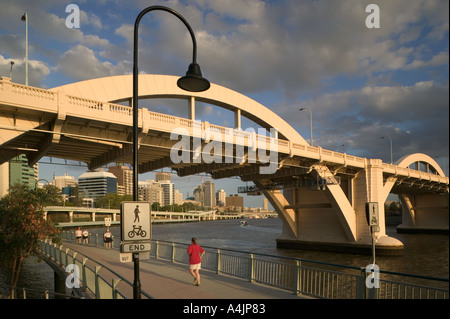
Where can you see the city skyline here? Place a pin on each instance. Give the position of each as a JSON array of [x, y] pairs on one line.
[[61, 181]]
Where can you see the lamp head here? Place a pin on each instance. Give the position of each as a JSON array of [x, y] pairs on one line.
[[24, 17], [193, 81]]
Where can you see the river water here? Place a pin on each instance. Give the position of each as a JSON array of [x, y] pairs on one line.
[[424, 254]]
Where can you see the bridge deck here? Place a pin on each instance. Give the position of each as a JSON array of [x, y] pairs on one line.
[[165, 280]]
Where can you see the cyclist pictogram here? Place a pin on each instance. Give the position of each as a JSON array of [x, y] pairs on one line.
[[137, 230]]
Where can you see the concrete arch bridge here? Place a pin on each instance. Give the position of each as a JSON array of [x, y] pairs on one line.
[[319, 194]]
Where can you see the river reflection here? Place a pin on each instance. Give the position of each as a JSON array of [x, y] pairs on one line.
[[424, 254]]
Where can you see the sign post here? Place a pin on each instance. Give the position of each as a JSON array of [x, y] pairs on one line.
[[108, 222], [135, 234], [373, 218]]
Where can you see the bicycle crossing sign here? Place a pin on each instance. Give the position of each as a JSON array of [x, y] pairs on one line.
[[136, 221]]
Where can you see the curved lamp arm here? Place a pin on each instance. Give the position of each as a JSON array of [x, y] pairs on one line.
[[193, 81]]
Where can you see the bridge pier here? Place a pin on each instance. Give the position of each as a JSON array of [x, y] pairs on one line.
[[333, 218], [424, 213]]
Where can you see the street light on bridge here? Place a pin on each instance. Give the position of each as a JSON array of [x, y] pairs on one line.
[[310, 123], [25, 19], [193, 81], [390, 140]]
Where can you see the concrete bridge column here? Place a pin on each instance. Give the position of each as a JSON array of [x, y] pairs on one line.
[[333, 219], [71, 217], [370, 186], [93, 216], [424, 213]]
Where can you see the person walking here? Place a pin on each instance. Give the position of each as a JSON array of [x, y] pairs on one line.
[[195, 252], [107, 237], [85, 236], [78, 234]]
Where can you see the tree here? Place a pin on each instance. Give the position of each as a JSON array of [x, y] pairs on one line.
[[112, 200], [49, 195], [22, 225], [156, 206]]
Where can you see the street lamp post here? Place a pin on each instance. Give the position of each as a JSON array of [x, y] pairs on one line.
[[193, 82], [10, 70], [25, 18], [310, 123], [390, 141]]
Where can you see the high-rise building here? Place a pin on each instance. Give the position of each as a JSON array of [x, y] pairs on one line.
[[161, 176], [21, 173], [64, 181], [206, 194], [265, 203], [234, 200], [178, 198], [199, 194], [168, 192], [97, 184], [124, 176], [151, 192], [209, 190], [220, 197]]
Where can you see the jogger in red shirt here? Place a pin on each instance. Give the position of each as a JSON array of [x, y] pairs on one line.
[[195, 253]]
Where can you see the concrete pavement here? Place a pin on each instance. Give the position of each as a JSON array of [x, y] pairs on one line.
[[166, 280]]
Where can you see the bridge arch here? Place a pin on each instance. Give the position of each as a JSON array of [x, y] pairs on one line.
[[418, 158], [115, 89]]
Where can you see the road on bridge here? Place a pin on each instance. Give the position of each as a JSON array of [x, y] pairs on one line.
[[166, 280]]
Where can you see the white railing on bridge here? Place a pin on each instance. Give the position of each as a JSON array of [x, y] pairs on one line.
[[58, 102]]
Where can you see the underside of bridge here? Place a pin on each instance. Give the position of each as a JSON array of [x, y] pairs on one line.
[[320, 195]]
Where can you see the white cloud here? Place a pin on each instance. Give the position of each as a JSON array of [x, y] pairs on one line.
[[37, 70], [415, 117], [441, 59], [81, 63]]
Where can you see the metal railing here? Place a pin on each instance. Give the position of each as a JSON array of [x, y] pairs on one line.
[[99, 280], [301, 276], [29, 293], [307, 277]]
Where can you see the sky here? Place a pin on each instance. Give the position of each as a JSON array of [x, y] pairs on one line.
[[361, 81]]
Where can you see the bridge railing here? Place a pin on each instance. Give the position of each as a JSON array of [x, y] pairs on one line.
[[301, 276], [307, 277], [51, 101], [30, 293], [96, 278]]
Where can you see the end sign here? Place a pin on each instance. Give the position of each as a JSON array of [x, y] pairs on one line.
[[136, 226]]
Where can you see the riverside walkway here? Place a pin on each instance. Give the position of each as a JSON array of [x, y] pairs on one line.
[[165, 280]]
